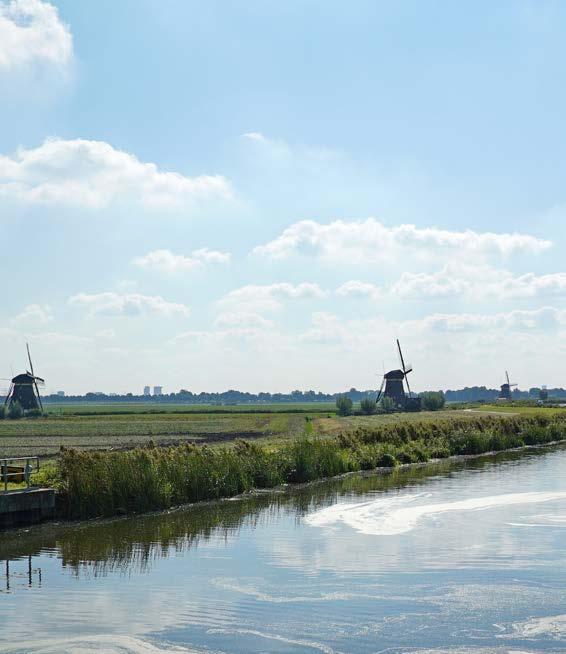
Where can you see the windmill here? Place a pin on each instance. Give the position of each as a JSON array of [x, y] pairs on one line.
[[393, 386], [505, 392], [24, 389]]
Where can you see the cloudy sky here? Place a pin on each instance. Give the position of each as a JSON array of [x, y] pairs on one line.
[[264, 195]]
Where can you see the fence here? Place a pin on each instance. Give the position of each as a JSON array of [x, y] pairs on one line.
[[18, 470]]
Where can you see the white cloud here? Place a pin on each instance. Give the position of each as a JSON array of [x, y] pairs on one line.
[[270, 297], [358, 289], [127, 304], [166, 261], [506, 285], [473, 281], [34, 314], [93, 174], [518, 320], [255, 136], [371, 241], [242, 319], [30, 33], [429, 285]]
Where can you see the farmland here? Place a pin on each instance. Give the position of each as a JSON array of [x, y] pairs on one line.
[[125, 426]]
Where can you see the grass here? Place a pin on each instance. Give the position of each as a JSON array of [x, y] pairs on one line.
[[45, 436], [125, 408], [149, 478]]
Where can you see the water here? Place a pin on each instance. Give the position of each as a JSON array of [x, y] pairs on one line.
[[465, 557]]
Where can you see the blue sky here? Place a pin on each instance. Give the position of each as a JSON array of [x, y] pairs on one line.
[[264, 195]]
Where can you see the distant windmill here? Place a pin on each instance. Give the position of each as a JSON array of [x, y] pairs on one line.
[[393, 387], [24, 389], [505, 392]]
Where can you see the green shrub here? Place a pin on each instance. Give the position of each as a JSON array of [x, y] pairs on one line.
[[368, 406], [344, 405], [432, 401]]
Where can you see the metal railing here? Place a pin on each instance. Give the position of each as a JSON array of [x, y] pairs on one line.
[[18, 469]]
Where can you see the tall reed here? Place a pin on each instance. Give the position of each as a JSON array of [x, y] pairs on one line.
[[149, 478]]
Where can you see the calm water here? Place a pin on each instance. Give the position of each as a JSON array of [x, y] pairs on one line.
[[464, 557]]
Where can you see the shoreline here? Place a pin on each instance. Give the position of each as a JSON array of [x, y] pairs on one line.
[[281, 489]]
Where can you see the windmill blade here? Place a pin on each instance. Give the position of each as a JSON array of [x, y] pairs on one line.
[[400, 356], [403, 367], [38, 396], [35, 379], [507, 376], [8, 394], [29, 357], [380, 390]]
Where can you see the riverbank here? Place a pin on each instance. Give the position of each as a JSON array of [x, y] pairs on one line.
[[92, 484]]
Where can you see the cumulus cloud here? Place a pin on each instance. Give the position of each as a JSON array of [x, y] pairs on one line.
[[371, 241], [242, 319], [476, 282], [167, 261], [93, 174], [429, 285], [528, 285], [34, 314], [270, 296], [127, 304], [358, 289], [537, 319], [31, 33]]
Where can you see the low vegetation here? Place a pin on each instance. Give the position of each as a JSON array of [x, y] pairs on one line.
[[433, 401], [148, 478], [344, 405]]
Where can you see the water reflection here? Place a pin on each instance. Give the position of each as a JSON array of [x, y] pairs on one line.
[[258, 574], [131, 544]]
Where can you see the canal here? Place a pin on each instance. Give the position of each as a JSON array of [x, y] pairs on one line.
[[464, 556]]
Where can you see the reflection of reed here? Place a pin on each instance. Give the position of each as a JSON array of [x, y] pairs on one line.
[[129, 545], [11, 575]]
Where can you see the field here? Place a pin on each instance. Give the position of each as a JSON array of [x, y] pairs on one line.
[[125, 426], [44, 436]]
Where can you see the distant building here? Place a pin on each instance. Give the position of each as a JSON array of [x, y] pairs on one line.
[[157, 391], [61, 393], [146, 390]]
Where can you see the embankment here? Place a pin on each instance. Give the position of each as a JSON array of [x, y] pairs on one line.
[[151, 478]]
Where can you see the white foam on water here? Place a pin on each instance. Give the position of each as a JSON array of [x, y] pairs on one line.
[[553, 626], [321, 647], [104, 644], [543, 520], [390, 516], [230, 584]]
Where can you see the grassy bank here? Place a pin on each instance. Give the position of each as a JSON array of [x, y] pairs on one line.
[[149, 478]]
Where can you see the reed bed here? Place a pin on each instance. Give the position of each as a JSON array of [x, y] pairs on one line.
[[151, 478]]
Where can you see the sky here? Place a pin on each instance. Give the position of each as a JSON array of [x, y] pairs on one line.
[[265, 195]]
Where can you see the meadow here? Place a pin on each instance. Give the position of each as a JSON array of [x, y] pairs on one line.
[[123, 426]]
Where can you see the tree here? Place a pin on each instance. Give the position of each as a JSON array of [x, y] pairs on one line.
[[368, 406], [386, 405], [15, 411], [344, 405], [433, 401]]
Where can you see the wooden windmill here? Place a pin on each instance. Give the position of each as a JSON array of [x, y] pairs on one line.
[[505, 391], [24, 389], [393, 386]]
